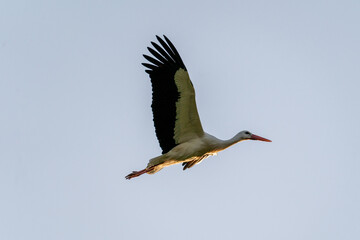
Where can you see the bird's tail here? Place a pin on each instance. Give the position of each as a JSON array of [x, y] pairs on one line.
[[157, 160]]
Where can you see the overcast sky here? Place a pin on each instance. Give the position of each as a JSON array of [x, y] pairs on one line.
[[76, 118]]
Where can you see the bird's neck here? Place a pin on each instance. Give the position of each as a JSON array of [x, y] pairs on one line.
[[227, 143]]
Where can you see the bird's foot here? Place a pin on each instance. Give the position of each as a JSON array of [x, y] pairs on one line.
[[138, 173], [135, 174]]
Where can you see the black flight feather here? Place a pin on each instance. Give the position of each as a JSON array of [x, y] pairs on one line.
[[166, 62]]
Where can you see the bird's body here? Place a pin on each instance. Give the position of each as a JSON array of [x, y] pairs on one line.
[[176, 119], [194, 150]]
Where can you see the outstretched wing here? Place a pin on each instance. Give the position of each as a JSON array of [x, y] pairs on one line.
[[176, 118]]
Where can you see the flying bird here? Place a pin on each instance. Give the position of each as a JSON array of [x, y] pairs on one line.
[[176, 119]]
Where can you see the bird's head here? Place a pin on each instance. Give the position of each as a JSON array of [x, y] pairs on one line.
[[246, 135]]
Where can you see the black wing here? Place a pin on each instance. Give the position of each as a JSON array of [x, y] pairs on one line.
[[164, 64]]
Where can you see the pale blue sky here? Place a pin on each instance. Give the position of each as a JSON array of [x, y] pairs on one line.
[[76, 118]]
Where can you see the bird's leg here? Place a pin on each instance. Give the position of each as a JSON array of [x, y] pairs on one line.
[[135, 174], [138, 173]]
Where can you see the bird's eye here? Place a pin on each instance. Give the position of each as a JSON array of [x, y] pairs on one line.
[[247, 132]]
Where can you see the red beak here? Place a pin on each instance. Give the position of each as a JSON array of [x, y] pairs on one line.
[[255, 137]]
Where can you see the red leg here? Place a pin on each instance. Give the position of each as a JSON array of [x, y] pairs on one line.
[[138, 173]]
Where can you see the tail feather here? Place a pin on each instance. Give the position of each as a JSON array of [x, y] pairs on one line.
[[157, 160]]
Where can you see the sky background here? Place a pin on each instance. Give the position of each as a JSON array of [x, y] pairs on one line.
[[76, 118]]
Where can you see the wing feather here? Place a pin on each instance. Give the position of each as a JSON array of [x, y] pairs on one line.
[[162, 52], [153, 61], [174, 109], [157, 55], [166, 47], [152, 67]]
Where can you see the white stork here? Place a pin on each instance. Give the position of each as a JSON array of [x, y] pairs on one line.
[[176, 119]]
